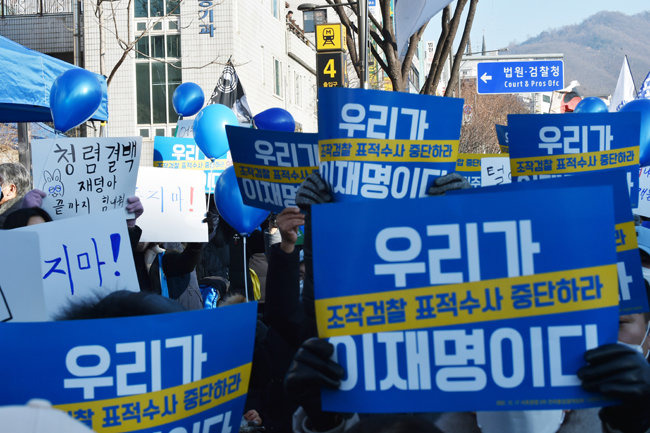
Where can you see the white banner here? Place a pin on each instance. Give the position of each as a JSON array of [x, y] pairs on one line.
[[21, 285], [644, 192], [174, 205], [79, 257], [85, 176]]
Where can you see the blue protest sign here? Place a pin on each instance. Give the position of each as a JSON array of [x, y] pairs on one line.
[[271, 165], [632, 294], [520, 77], [502, 137], [172, 372], [547, 145], [376, 144], [184, 153], [468, 301]]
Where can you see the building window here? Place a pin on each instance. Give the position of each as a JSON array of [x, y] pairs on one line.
[[157, 74], [277, 77], [275, 8], [156, 8], [313, 18], [298, 90]]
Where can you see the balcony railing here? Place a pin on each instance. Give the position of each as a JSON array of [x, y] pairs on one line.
[[34, 7]]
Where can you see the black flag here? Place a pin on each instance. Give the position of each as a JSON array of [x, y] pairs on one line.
[[230, 93]]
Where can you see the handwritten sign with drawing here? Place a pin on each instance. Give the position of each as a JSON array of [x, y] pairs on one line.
[[82, 256], [174, 205], [84, 176]]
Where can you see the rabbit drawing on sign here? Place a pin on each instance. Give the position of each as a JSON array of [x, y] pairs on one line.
[[53, 185]]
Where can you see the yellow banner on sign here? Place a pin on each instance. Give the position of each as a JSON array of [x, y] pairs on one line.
[[198, 164], [472, 161], [626, 237], [162, 407], [378, 150], [480, 301], [575, 163], [330, 37], [273, 174]]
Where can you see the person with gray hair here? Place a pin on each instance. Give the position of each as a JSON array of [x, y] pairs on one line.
[[14, 184]]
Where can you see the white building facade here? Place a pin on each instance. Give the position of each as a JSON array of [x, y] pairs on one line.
[[191, 41]]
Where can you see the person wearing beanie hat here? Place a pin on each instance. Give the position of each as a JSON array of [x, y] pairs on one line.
[[38, 416]]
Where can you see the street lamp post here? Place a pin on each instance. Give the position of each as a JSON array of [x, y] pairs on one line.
[[363, 33]]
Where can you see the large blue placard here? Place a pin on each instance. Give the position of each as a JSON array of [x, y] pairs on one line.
[[466, 302], [271, 165], [632, 294], [184, 153], [135, 374], [520, 77], [376, 144], [548, 145]]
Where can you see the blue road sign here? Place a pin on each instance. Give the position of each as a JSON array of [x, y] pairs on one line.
[[520, 77]]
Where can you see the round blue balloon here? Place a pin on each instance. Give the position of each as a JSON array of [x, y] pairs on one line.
[[591, 105], [231, 206], [643, 107], [275, 119], [74, 97], [188, 99], [210, 129]]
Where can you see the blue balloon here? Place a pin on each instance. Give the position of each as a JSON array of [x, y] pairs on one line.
[[642, 106], [231, 207], [210, 129], [591, 105], [188, 99], [74, 97], [275, 119]]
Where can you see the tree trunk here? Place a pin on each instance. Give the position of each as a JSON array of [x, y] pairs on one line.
[[453, 79]]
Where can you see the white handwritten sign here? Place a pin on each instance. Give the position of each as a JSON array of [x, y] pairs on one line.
[[82, 256], [174, 205], [495, 171], [185, 128], [85, 176], [644, 192], [21, 287]]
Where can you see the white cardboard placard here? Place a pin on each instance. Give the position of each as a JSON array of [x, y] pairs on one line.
[[174, 205], [495, 171], [21, 287], [644, 192], [82, 256], [85, 176]]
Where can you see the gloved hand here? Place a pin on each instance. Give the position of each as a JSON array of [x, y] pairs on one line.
[[135, 207], [33, 198], [448, 182], [313, 190], [310, 370], [619, 372]]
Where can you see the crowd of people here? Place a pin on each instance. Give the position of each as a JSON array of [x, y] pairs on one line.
[[290, 363]]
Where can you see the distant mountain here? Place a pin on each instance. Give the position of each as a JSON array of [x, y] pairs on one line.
[[594, 49]]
